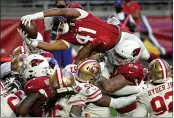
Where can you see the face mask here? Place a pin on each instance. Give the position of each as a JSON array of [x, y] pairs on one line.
[[61, 6], [65, 28]]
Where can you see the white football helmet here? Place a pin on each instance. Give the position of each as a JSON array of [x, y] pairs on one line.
[[125, 52], [35, 65]]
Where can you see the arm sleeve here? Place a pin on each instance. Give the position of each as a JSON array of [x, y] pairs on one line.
[[122, 101], [83, 13], [140, 111], [127, 90]]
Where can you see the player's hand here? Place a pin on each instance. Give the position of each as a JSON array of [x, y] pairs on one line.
[[24, 36], [27, 19]]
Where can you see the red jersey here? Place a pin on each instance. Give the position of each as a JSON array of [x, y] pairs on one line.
[[132, 8], [40, 85], [91, 28], [133, 72]]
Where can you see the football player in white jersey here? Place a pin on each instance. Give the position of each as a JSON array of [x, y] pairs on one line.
[[157, 99], [9, 103], [86, 72], [6, 68], [11, 97]]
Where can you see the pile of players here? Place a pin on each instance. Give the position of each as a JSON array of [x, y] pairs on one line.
[[112, 77]]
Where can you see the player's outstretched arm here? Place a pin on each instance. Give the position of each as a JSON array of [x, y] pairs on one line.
[[58, 45], [68, 12]]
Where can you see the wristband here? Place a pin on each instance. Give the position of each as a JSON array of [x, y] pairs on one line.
[[39, 15], [34, 43]]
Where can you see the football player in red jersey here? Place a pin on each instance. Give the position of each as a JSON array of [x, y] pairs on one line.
[[123, 61], [124, 81], [39, 94], [35, 71], [80, 28]]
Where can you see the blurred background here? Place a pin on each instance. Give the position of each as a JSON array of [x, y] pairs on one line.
[[155, 25]]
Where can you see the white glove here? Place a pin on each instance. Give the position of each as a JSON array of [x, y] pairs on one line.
[[27, 18], [32, 42], [22, 34]]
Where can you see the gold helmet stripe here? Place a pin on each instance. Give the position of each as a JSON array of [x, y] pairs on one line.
[[164, 74]]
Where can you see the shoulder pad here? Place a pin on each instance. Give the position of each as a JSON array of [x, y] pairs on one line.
[[35, 84]]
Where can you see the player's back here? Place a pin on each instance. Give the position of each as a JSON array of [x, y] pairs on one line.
[[158, 99]]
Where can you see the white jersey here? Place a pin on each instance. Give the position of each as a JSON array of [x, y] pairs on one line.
[[60, 109], [88, 93], [72, 68], [156, 100], [9, 103], [85, 93]]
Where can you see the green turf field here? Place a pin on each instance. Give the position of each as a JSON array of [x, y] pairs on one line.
[[113, 112]]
